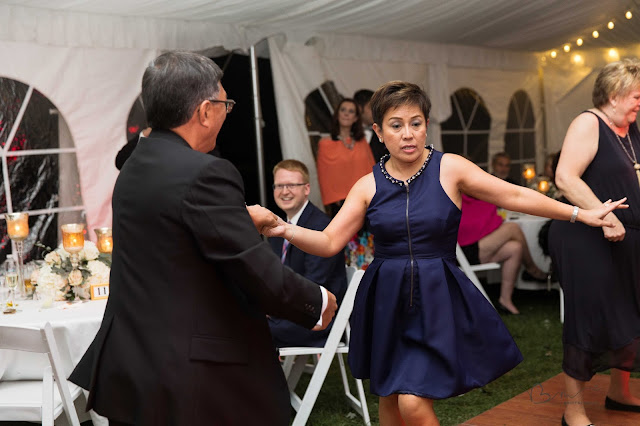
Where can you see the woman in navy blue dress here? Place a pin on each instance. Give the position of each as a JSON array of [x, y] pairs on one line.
[[420, 329]]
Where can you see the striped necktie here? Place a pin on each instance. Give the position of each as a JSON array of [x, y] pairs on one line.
[[285, 246]]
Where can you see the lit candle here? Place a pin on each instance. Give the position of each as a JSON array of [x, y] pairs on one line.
[[73, 237], [17, 225], [529, 171], [105, 240], [543, 186]]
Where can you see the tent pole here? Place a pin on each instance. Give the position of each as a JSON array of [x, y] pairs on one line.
[[257, 114]]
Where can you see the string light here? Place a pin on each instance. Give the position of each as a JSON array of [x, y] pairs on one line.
[[613, 54], [579, 59]]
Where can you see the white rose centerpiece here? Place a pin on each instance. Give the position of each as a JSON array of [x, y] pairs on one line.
[[57, 274]]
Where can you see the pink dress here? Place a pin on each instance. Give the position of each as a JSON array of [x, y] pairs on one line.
[[479, 219]]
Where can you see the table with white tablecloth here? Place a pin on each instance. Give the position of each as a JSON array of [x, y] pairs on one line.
[[74, 327]]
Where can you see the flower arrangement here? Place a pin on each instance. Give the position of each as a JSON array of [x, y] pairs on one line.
[[57, 274]]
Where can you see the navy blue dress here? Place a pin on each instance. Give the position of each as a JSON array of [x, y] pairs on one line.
[[419, 325]]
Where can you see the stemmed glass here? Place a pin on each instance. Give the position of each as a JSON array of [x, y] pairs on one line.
[[18, 230], [73, 241], [105, 240], [12, 278]]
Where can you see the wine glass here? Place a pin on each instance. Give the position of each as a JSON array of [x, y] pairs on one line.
[[11, 278], [4, 292]]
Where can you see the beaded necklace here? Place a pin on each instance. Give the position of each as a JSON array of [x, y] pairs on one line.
[[412, 178], [632, 157]]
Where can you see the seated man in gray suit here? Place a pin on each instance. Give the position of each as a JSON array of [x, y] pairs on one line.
[[291, 190]]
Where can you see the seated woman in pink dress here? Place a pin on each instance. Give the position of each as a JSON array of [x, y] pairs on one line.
[[485, 237]]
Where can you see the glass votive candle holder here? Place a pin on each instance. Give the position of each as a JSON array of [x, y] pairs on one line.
[[543, 186], [73, 237], [105, 240], [529, 171], [17, 225]]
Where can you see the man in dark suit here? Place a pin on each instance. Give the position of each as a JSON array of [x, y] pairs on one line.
[[291, 190], [184, 339], [363, 100]]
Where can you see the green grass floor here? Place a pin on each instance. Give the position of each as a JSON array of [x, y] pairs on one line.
[[538, 333]]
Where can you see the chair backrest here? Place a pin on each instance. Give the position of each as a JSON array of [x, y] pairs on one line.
[[31, 339], [470, 270], [350, 271], [26, 339]]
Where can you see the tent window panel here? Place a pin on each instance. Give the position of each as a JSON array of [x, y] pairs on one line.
[[528, 144], [454, 122], [512, 144], [478, 148], [519, 138], [12, 94], [453, 144], [481, 117], [466, 100], [39, 126], [44, 181]]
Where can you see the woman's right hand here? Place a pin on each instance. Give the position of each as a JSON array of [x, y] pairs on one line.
[[616, 232]]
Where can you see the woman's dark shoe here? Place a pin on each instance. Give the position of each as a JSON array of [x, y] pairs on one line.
[[610, 404], [505, 310], [526, 276]]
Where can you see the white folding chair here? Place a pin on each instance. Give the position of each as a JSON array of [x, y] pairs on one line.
[[295, 361], [37, 400], [470, 270]]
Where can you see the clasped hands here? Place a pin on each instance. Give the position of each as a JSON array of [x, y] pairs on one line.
[[271, 225], [266, 222]]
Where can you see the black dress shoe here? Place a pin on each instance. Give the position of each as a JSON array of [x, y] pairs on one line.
[[610, 404], [504, 309], [526, 276]]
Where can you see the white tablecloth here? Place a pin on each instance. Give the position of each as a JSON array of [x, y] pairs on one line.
[[530, 226], [74, 327]]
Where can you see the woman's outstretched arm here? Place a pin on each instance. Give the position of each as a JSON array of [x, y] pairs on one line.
[[459, 175], [336, 235]]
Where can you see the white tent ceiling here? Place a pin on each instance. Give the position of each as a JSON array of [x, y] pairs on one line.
[[506, 24]]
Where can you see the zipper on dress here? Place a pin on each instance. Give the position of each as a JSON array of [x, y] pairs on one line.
[[410, 247]]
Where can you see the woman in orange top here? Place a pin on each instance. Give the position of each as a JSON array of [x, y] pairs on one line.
[[344, 158], [342, 161]]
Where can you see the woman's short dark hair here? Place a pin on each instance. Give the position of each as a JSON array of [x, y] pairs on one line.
[[357, 131], [394, 94], [616, 79], [174, 84]]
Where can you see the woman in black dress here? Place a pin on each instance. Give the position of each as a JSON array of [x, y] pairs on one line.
[[599, 269]]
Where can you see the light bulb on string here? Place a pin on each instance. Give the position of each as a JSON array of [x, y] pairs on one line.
[[553, 54], [613, 54], [595, 34], [628, 15], [579, 42], [610, 25], [566, 48]]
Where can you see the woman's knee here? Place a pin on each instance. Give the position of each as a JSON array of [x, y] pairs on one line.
[[513, 249], [414, 408]]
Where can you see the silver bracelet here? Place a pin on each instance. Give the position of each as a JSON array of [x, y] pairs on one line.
[[293, 232], [574, 215]]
